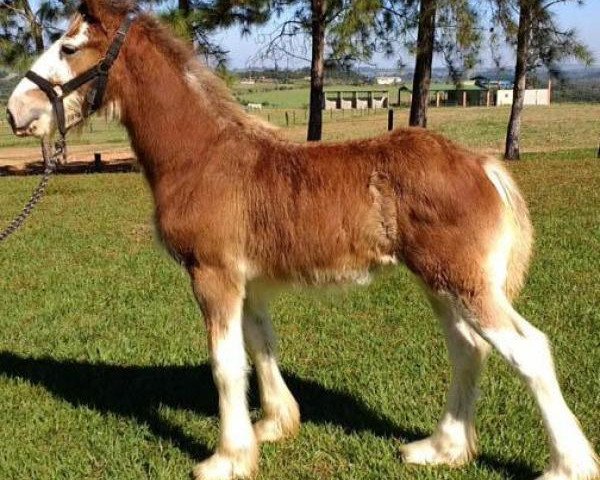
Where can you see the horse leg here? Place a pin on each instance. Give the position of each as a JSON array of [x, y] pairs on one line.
[[220, 296], [281, 416], [454, 440], [528, 351]]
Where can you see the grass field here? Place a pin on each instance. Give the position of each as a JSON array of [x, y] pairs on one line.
[[103, 360], [558, 127], [97, 131], [298, 97]]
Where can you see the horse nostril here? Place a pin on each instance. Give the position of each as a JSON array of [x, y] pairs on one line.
[[11, 120]]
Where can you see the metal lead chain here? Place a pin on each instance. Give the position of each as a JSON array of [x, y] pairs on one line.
[[50, 160]]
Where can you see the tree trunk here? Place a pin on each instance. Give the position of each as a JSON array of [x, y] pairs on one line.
[[422, 77], [184, 6], [38, 37], [513, 131], [315, 118]]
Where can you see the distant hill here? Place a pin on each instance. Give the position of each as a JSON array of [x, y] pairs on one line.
[[567, 72]]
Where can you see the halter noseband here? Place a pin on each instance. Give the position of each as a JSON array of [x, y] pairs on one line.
[[56, 93]]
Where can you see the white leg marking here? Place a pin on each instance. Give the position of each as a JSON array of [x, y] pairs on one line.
[[527, 349], [281, 415], [454, 441], [237, 454]]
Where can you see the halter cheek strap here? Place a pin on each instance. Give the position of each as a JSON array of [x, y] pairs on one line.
[[99, 72]]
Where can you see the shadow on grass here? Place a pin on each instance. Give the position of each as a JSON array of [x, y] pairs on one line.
[[137, 392]]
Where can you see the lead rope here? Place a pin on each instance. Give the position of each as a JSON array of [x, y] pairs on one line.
[[50, 160]]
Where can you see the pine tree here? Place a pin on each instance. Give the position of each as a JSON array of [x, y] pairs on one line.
[[24, 30], [338, 31], [539, 41], [196, 20], [452, 29], [423, 64]]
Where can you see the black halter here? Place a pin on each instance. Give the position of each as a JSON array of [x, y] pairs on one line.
[[57, 93]]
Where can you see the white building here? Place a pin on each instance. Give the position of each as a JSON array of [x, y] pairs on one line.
[[532, 97], [388, 80]]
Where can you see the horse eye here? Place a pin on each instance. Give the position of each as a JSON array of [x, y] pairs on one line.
[[68, 49]]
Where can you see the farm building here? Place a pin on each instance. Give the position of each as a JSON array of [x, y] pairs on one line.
[[540, 96], [388, 80], [447, 94], [478, 91], [355, 99]]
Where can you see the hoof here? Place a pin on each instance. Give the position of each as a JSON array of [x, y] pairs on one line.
[[242, 466], [279, 426], [435, 451], [581, 469]]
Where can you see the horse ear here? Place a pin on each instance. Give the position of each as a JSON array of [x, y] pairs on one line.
[[91, 10], [108, 13]]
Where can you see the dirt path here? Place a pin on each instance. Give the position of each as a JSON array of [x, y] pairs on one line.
[[21, 156]]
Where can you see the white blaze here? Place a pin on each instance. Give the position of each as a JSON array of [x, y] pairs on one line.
[[53, 66]]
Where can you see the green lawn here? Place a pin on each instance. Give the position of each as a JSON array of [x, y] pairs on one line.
[[298, 97], [96, 131], [558, 127], [103, 360]]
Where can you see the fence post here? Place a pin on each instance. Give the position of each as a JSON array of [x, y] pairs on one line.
[[464, 98], [294, 116], [97, 162], [390, 119], [287, 119]]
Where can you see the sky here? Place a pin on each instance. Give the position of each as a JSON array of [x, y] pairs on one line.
[[242, 51]]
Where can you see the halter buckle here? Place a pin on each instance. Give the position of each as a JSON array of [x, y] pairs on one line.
[[103, 67]]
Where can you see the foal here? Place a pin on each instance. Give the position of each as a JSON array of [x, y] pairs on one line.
[[246, 212]]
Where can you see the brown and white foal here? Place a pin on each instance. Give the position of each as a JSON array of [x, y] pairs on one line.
[[247, 212]]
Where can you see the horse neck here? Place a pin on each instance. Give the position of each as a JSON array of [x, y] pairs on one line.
[[169, 126]]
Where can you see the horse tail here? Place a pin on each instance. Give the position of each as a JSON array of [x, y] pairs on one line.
[[521, 231]]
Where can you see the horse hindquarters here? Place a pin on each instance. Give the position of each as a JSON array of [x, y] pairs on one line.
[[473, 303]]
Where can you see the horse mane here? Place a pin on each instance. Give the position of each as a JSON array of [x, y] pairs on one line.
[[210, 90]]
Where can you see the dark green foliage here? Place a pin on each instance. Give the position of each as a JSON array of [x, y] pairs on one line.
[[27, 27], [550, 43], [539, 40], [195, 21]]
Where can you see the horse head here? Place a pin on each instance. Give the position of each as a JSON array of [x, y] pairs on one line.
[[71, 70]]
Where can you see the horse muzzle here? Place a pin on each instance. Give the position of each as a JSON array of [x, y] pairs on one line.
[[29, 114]]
